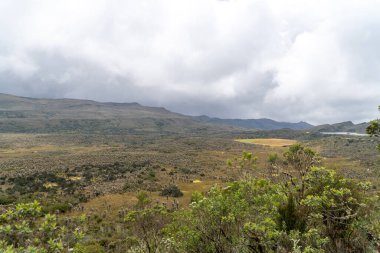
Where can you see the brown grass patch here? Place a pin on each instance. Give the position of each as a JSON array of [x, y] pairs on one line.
[[269, 142], [50, 185], [128, 199]]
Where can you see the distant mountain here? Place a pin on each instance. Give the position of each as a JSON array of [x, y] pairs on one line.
[[262, 124], [22, 114], [346, 126]]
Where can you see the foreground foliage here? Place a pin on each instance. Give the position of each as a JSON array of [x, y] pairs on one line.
[[310, 209], [24, 228], [258, 216], [333, 214]]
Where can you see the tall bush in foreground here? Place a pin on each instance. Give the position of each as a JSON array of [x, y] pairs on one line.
[[316, 211], [335, 214], [238, 218], [146, 223]]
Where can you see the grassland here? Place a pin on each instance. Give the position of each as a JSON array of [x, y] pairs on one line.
[[272, 142], [99, 175], [168, 159]]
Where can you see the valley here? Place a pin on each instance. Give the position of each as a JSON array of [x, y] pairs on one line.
[[104, 172]]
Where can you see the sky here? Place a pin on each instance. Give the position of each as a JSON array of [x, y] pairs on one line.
[[289, 60]]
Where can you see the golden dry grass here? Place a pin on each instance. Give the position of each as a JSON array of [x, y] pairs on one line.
[[33, 145], [128, 199], [50, 185], [272, 142], [74, 178]]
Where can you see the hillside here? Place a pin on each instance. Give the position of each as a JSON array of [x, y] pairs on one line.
[[262, 124], [31, 115], [347, 126], [21, 114]]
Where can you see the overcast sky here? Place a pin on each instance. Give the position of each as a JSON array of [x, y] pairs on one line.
[[290, 60]]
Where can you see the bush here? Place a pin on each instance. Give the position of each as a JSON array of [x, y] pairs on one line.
[[61, 207], [334, 214], [7, 199], [24, 228], [89, 248], [171, 191]]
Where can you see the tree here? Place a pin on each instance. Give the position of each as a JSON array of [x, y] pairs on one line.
[[300, 159], [374, 129]]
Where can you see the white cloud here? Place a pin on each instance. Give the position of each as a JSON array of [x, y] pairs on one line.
[[289, 60]]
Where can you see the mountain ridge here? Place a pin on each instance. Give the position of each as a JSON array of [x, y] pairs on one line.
[[25, 114], [346, 126], [262, 123]]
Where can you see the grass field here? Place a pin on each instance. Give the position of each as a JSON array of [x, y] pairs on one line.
[[110, 170], [272, 142]]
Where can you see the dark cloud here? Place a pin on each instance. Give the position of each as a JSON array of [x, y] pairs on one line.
[[288, 60]]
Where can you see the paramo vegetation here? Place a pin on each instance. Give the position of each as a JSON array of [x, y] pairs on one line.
[[297, 206], [314, 210]]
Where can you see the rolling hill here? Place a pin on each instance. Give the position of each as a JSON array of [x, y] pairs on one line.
[[22, 114], [346, 126], [31, 115], [263, 124]]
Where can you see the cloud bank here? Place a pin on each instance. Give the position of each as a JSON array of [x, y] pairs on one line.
[[289, 60]]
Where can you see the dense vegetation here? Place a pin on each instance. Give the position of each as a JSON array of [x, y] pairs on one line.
[[24, 228], [315, 210]]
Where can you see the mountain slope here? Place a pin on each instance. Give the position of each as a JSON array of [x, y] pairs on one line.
[[21, 114], [346, 126], [263, 124]]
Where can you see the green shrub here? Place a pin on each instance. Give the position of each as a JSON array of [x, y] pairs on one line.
[[334, 214], [61, 207], [171, 191], [24, 228], [7, 199], [89, 248]]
